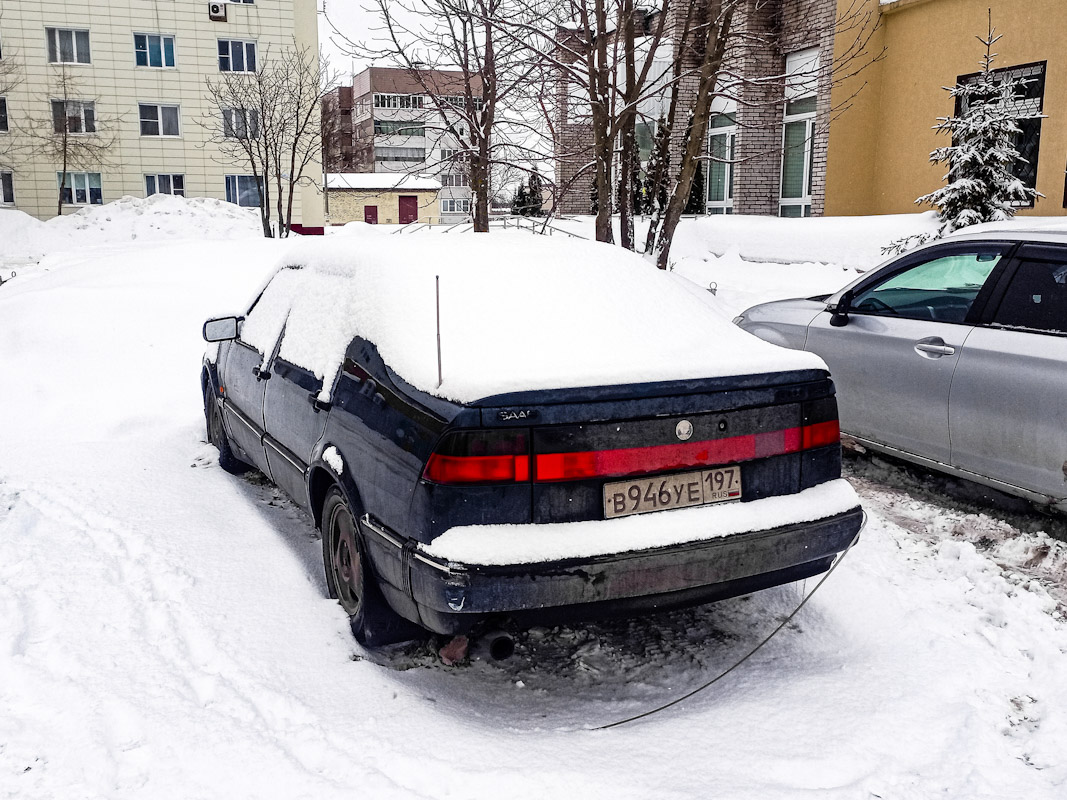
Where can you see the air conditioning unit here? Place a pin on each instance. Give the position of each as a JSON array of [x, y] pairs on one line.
[[217, 11]]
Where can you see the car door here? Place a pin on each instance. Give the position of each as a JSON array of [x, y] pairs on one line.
[[893, 361], [294, 423], [1008, 405], [243, 401]]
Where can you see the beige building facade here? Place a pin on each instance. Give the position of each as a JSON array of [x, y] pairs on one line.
[[882, 132], [134, 72], [382, 198]]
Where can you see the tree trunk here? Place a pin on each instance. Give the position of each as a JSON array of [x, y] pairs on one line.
[[714, 44], [627, 128]]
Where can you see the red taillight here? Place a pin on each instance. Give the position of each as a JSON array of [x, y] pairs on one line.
[[477, 469], [821, 434], [480, 457]]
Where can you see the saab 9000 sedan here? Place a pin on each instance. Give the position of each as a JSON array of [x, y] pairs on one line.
[[953, 356], [485, 427]]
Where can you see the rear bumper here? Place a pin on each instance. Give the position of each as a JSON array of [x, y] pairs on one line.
[[447, 597]]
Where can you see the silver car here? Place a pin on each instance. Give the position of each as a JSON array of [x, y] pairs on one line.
[[953, 356]]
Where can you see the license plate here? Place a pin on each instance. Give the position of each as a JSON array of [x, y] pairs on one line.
[[623, 498]]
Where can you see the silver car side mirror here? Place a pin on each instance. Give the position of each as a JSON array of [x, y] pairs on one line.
[[221, 329], [839, 313]]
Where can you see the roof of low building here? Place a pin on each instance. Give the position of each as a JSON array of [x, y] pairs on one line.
[[389, 181]]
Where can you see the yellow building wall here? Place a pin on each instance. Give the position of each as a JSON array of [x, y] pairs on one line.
[[347, 205], [881, 136]]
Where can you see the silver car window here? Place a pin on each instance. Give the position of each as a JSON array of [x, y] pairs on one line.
[[942, 289]]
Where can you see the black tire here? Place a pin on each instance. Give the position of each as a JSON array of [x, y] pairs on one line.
[[216, 435], [350, 579]]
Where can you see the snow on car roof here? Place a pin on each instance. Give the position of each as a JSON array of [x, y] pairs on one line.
[[518, 312]]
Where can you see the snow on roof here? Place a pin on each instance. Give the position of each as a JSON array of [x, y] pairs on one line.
[[518, 312], [381, 180]]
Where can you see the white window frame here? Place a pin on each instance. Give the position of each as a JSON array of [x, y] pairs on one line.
[[455, 205], [230, 118], [801, 82], [152, 183], [405, 101], [73, 186], [74, 108], [245, 45], [162, 50], [52, 45], [455, 180], [159, 120], [234, 195], [7, 195]]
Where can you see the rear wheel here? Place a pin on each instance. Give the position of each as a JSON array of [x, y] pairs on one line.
[[350, 580], [216, 434]]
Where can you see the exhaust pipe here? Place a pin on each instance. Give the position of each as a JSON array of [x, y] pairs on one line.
[[497, 645]]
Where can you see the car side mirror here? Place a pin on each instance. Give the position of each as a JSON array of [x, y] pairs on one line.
[[221, 329], [839, 313]]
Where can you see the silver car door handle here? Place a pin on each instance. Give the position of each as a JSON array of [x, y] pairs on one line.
[[934, 347]]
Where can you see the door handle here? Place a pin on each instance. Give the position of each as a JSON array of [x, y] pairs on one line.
[[261, 374], [934, 347], [317, 404]]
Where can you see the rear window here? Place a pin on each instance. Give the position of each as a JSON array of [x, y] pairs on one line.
[[1036, 299]]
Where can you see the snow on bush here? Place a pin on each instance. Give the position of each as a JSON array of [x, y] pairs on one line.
[[517, 313]]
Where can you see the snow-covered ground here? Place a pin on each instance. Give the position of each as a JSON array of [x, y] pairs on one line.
[[164, 629]]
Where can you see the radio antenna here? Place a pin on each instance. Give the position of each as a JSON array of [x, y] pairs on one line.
[[440, 378]]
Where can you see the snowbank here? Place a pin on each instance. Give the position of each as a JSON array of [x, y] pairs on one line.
[[161, 217], [517, 313]]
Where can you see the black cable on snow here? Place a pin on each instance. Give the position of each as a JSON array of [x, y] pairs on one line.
[[747, 655]]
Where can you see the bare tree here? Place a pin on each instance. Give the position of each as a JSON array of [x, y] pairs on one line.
[[74, 137], [270, 120], [10, 79], [473, 39]]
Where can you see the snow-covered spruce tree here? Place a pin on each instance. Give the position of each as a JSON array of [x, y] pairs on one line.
[[534, 195], [982, 186]]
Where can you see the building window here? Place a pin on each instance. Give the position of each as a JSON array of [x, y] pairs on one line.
[[73, 116], [399, 101], [455, 206], [721, 148], [159, 120], [240, 123], [798, 132], [3, 115], [399, 154], [67, 46], [7, 188], [387, 127], [164, 184], [237, 56], [242, 190], [153, 50], [460, 102], [1027, 104], [455, 179], [80, 188]]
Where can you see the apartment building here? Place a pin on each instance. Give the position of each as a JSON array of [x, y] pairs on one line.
[[394, 121], [130, 75]]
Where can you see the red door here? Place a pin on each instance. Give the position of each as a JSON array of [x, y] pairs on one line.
[[370, 215], [409, 209]]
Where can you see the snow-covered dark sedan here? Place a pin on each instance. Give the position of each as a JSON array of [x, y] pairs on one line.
[[953, 356], [486, 426]]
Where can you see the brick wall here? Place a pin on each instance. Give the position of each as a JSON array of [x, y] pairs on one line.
[[347, 205]]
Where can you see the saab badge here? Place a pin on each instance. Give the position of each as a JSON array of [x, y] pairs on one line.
[[684, 429]]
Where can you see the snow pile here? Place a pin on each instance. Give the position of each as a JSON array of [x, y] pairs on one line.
[[514, 544], [165, 629], [517, 313], [161, 217]]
